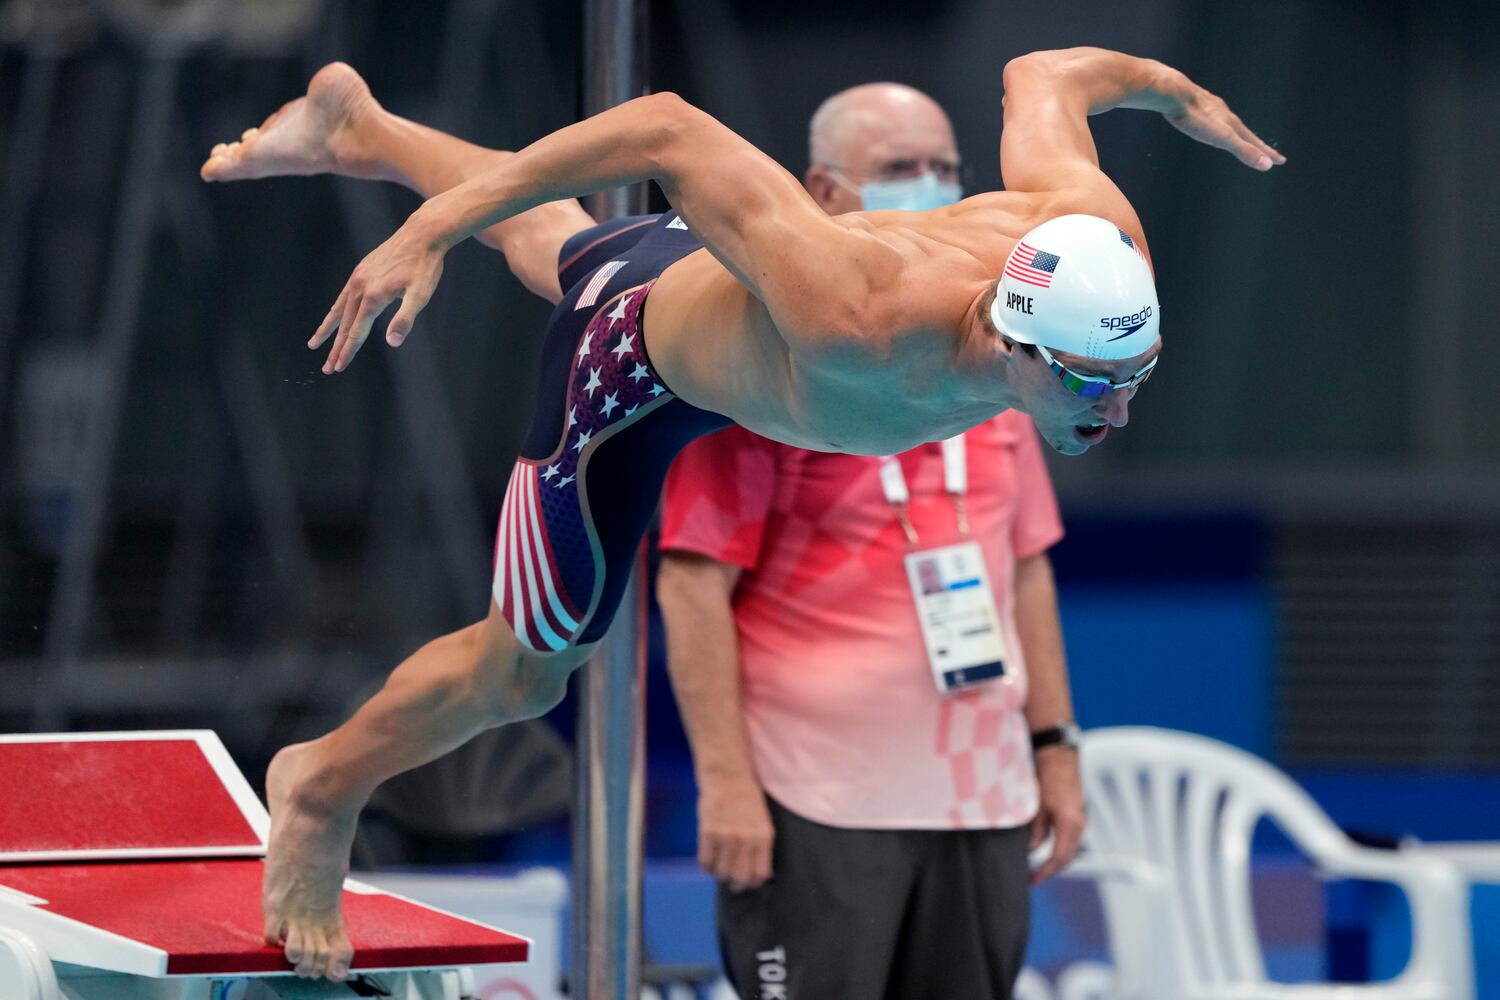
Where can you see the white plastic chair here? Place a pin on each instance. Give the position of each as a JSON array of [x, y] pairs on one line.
[[1171, 817], [1031, 985]]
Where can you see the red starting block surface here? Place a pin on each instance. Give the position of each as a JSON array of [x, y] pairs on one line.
[[164, 808], [205, 917], [125, 795]]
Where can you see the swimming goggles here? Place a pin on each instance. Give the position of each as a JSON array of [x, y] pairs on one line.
[[1089, 386]]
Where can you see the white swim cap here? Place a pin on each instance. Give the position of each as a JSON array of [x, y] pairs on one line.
[[1078, 284]]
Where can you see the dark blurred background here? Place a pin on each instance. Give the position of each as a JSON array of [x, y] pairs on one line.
[[1295, 547]]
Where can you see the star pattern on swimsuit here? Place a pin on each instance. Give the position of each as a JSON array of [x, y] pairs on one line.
[[612, 358]]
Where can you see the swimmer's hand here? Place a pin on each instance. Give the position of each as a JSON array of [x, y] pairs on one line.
[[1205, 117], [407, 267]]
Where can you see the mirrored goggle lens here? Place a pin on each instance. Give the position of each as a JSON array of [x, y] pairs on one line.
[[1088, 389]]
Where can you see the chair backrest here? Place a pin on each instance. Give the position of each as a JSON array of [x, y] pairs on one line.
[[1184, 808]]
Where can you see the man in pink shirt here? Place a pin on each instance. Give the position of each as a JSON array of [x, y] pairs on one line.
[[868, 816]]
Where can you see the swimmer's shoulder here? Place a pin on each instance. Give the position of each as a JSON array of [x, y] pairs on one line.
[[918, 285], [1004, 214], [985, 226]]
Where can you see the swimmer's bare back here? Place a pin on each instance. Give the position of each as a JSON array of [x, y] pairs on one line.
[[877, 386], [862, 333]]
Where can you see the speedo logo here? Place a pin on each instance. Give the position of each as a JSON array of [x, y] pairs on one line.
[[1126, 324]]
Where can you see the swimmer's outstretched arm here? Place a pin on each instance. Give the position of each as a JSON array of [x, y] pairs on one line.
[[813, 273], [1046, 147]]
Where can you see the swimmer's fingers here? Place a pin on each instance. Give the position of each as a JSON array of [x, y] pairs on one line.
[[1248, 153], [1244, 133], [1210, 121], [413, 300], [330, 322], [354, 329], [401, 323], [1245, 144], [405, 267], [341, 326], [356, 303]]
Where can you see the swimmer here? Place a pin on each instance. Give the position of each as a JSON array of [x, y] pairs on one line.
[[868, 333]]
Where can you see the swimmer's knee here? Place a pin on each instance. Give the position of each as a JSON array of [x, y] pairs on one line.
[[536, 685], [532, 245], [513, 682], [540, 280]]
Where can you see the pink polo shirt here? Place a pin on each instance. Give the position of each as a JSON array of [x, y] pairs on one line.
[[846, 725]]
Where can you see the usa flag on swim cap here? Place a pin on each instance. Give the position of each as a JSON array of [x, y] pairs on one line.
[[1033, 266]]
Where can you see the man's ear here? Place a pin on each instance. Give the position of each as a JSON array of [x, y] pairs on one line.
[[820, 184], [1003, 344]]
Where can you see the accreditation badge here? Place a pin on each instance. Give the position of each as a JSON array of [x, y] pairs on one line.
[[956, 609]]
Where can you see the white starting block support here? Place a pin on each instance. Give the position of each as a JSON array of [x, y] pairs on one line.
[[130, 869]]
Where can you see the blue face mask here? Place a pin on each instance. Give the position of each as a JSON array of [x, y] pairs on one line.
[[910, 194]]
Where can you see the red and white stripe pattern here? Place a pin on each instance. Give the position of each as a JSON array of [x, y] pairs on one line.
[[528, 587], [596, 284]]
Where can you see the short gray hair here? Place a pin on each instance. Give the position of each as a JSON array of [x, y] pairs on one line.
[[838, 114]]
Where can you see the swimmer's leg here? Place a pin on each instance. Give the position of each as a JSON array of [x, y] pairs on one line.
[[442, 695], [338, 127]]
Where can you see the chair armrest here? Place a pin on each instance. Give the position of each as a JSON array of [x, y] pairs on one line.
[[1097, 866], [1478, 861], [1406, 868], [1442, 938]]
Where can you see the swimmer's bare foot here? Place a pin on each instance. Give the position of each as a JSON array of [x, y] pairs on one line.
[[308, 858], [316, 133]]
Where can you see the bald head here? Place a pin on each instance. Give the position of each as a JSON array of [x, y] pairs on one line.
[[874, 132]]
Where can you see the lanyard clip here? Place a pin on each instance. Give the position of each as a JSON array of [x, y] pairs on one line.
[[906, 525], [962, 510]]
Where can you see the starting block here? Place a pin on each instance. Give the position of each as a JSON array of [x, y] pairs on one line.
[[130, 869]]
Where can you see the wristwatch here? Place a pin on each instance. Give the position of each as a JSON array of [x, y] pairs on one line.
[[1065, 735]]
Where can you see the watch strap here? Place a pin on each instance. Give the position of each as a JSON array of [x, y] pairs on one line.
[[1066, 735]]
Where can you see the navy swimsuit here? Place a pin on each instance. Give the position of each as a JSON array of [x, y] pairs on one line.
[[606, 429]]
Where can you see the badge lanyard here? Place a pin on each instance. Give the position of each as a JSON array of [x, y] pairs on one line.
[[950, 585], [955, 484]]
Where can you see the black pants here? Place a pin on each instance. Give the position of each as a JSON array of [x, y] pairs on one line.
[[880, 915]]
